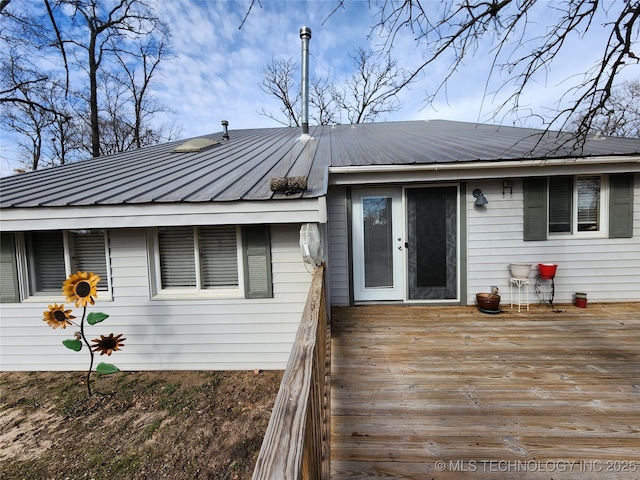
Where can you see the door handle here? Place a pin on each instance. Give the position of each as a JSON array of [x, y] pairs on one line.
[[406, 244]]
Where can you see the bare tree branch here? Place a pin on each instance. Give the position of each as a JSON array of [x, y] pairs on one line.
[[372, 90], [456, 29], [368, 93], [90, 38], [59, 44], [279, 82]]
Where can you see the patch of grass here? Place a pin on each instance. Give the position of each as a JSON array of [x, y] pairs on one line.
[[23, 470], [177, 425], [149, 430]]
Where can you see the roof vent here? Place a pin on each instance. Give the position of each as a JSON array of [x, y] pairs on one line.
[[196, 145], [225, 132]]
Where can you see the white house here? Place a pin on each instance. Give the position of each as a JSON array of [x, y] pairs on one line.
[[198, 242]]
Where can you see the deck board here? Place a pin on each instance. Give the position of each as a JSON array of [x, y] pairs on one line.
[[530, 395]]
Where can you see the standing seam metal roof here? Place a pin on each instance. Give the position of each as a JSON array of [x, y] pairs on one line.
[[241, 168]]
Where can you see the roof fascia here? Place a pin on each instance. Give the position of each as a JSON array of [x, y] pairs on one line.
[[147, 215], [357, 175]]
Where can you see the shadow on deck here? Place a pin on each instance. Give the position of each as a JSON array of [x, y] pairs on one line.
[[451, 393]]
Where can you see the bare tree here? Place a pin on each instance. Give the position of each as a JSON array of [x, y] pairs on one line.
[[30, 114], [524, 38], [280, 82], [365, 95], [323, 108], [137, 82], [522, 48], [107, 31], [372, 90], [21, 72], [621, 114], [64, 142], [116, 46]]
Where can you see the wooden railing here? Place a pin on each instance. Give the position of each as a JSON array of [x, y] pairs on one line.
[[296, 443]]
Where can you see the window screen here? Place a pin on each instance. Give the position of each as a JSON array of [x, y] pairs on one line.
[[218, 257], [588, 204], [560, 204], [177, 257], [46, 262], [198, 257], [88, 254]]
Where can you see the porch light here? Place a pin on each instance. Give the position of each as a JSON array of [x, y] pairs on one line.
[[480, 198]]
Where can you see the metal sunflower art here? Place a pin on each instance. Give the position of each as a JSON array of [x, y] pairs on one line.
[[82, 289], [57, 316], [108, 344]]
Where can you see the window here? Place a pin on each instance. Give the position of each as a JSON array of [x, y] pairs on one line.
[[37, 263], [588, 203], [577, 205], [560, 204], [220, 260], [574, 204]]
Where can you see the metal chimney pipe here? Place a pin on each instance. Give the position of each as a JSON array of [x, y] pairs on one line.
[[305, 35], [225, 132]]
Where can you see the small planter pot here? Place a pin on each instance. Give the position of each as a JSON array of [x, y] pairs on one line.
[[581, 300], [547, 270], [488, 302], [520, 270]]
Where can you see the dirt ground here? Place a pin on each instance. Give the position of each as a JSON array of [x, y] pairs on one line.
[[147, 425]]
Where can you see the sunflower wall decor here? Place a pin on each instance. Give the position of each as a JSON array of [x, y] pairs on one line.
[[81, 288]]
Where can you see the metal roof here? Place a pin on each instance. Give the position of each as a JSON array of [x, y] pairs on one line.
[[241, 168]]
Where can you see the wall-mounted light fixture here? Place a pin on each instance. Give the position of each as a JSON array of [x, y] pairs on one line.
[[507, 184], [479, 196]]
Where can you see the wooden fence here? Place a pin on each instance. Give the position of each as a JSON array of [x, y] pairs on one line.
[[296, 443]]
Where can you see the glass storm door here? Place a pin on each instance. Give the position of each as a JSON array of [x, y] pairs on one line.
[[378, 245], [432, 234]]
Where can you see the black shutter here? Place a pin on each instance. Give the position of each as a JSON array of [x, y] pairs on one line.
[[257, 261], [621, 205], [535, 208]]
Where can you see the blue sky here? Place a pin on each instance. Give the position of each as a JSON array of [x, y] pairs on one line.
[[218, 67]]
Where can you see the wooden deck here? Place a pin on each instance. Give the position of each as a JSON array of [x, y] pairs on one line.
[[451, 393]]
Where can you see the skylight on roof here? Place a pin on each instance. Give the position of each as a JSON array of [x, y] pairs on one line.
[[196, 145]]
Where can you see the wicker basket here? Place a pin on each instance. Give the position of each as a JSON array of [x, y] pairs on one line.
[[488, 301], [520, 270]]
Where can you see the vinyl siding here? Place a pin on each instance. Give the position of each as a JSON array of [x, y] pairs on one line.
[[195, 334], [338, 261], [606, 269]]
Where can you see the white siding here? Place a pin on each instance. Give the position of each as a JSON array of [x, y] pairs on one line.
[[197, 334], [606, 269]]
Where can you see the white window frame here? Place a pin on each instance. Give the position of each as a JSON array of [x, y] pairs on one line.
[[24, 273], [159, 292], [603, 220]]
